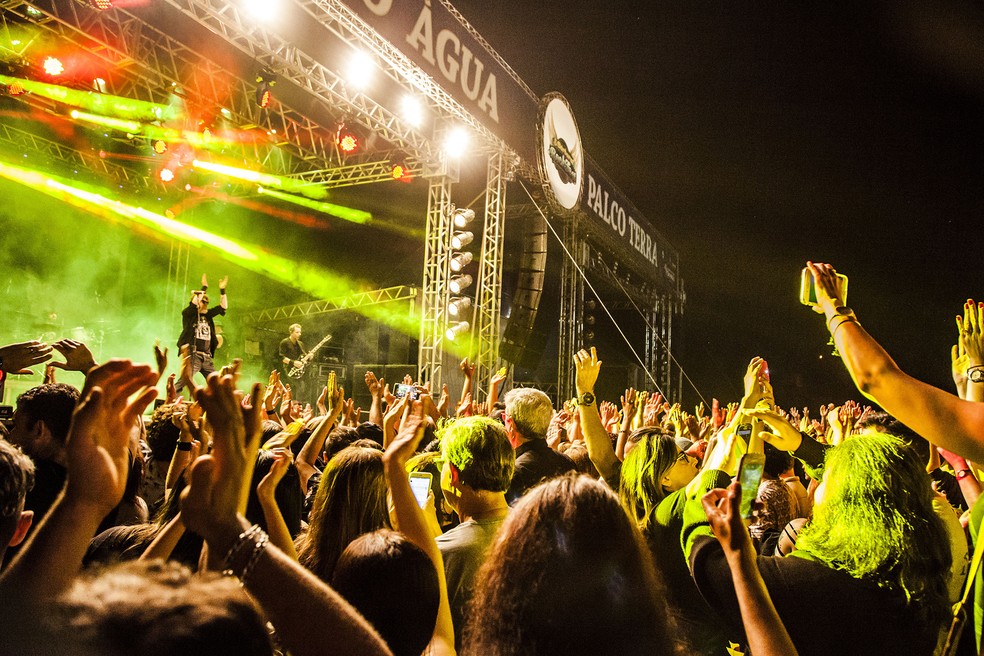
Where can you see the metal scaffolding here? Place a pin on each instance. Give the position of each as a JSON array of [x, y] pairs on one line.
[[437, 269], [350, 302], [489, 292]]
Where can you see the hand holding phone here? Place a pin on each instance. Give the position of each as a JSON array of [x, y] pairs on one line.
[[808, 287], [750, 471], [420, 483], [402, 389]]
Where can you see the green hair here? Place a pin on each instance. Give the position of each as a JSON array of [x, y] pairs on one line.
[[876, 522], [479, 449], [640, 489]]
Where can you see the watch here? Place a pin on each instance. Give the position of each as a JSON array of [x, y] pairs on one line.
[[586, 399], [976, 374], [963, 473]]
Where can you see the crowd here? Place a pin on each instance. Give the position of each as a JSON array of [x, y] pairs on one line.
[[237, 521]]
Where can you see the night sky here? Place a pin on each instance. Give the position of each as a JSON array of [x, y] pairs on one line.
[[755, 136]]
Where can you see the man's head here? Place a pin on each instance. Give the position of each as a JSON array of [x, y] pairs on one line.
[[477, 455], [16, 480], [42, 419], [295, 331], [528, 414], [203, 304]]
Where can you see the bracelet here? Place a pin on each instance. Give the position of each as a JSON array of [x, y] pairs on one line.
[[184, 446], [243, 538], [271, 412], [845, 319], [258, 548]]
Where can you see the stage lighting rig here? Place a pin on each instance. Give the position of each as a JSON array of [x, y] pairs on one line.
[[265, 81]]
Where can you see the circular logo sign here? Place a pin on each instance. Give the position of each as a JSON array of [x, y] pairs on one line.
[[561, 160]]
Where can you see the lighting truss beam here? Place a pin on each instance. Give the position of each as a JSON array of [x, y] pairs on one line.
[[361, 299], [437, 270], [356, 174], [147, 62], [302, 70], [21, 141]]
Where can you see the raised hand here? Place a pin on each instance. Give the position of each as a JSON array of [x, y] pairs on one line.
[[97, 447], [16, 358], [718, 415], [499, 377], [204, 281], [375, 386], [721, 507], [830, 288], [465, 407], [444, 401], [78, 357], [628, 399], [160, 357], [49, 374], [467, 368], [609, 415], [267, 487], [654, 407], [587, 366], [785, 438], [224, 282]]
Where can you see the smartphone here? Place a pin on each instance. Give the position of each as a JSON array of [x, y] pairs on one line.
[[420, 483], [750, 475], [401, 390], [808, 287], [744, 432]]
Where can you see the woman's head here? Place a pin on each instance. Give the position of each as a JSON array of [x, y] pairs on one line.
[[652, 470], [393, 584], [567, 573], [873, 518], [288, 494], [351, 500]]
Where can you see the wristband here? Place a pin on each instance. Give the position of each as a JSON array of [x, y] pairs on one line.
[[963, 473], [271, 412], [844, 318], [184, 446], [221, 291]]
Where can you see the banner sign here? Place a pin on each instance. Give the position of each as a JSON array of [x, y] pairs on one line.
[[610, 208], [427, 33]]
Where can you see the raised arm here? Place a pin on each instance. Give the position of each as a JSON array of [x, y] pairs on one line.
[[376, 388], [767, 636], [412, 521], [940, 417], [303, 609], [587, 367], [223, 300], [98, 464]]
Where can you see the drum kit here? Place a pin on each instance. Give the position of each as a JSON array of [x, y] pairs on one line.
[[51, 327]]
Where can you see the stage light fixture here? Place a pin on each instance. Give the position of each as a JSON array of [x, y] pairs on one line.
[[53, 66], [460, 261], [360, 69], [347, 140], [99, 5], [160, 146], [459, 284], [15, 88], [260, 10], [34, 12], [456, 142], [412, 111], [166, 174], [458, 306], [457, 330], [401, 172], [461, 239], [462, 217], [265, 81]]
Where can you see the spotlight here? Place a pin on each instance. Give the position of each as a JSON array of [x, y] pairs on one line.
[[166, 174], [412, 111], [360, 69], [460, 261], [460, 283], [401, 172], [99, 5], [458, 306], [260, 10], [15, 88], [53, 66], [33, 12], [160, 146], [347, 139], [456, 142], [457, 329], [461, 239], [463, 217]]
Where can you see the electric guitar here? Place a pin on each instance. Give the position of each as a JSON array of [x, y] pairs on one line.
[[297, 372]]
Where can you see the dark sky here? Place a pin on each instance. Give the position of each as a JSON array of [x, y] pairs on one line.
[[756, 136]]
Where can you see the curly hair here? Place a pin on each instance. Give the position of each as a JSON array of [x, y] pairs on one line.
[[51, 403], [876, 522], [162, 434]]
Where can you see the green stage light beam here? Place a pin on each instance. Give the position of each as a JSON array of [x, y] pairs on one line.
[[97, 103], [340, 211], [263, 179], [303, 276], [123, 125]]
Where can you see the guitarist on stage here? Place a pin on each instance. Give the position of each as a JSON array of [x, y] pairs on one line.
[[291, 351]]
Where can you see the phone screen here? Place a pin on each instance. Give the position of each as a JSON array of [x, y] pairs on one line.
[[420, 483], [750, 475], [402, 390]]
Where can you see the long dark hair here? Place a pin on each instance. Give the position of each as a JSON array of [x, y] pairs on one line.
[[641, 488], [351, 500], [568, 573]]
